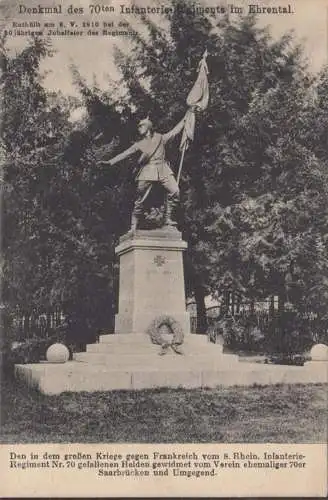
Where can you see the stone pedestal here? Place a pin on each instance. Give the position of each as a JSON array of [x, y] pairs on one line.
[[151, 279]]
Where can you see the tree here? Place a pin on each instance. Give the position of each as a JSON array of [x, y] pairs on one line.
[[61, 217], [31, 131]]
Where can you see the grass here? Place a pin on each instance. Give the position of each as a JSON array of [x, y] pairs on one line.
[[279, 413]]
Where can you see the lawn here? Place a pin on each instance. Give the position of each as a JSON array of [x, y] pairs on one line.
[[279, 414]]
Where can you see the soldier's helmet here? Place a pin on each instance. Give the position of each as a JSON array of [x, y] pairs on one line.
[[146, 122]]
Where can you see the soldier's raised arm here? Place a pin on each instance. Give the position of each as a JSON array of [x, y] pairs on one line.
[[125, 154], [175, 131]]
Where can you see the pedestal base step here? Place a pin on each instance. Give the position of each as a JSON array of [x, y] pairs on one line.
[[119, 345], [77, 376], [137, 350]]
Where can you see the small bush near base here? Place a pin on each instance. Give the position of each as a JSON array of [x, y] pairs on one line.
[[238, 334], [287, 359]]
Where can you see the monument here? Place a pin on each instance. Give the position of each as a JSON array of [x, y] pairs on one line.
[[151, 264], [152, 345]]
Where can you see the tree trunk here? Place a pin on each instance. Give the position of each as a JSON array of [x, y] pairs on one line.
[[48, 322], [201, 326], [281, 303], [271, 307], [26, 325], [281, 316], [232, 304], [252, 307], [227, 301], [238, 302]]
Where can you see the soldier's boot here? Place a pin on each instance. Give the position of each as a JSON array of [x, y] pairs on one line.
[[171, 203], [136, 214], [134, 222]]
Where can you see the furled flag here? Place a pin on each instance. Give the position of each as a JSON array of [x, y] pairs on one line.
[[198, 98]]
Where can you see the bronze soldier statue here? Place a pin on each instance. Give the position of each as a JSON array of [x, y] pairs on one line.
[[154, 168]]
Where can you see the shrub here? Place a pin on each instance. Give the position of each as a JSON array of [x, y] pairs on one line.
[[31, 350], [289, 334], [287, 359], [238, 334]]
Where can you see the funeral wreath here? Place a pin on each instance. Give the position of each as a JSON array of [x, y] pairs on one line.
[[173, 326]]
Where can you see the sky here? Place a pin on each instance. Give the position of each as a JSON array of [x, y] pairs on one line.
[[93, 55]]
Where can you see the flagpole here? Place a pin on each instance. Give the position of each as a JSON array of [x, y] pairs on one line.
[[181, 160]]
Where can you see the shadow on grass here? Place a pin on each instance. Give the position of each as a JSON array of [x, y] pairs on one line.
[[280, 413]]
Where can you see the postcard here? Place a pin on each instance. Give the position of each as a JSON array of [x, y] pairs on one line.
[[164, 271]]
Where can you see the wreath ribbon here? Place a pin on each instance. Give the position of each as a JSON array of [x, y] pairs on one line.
[[166, 346]]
